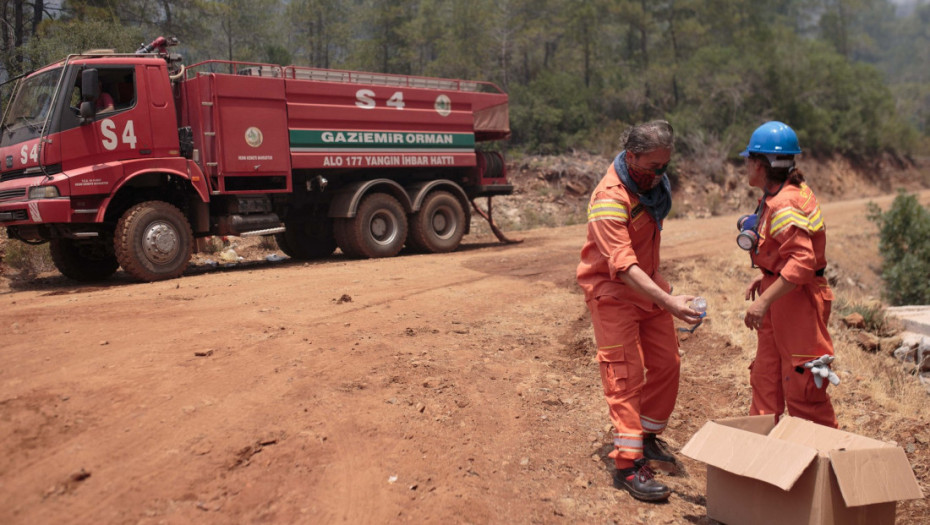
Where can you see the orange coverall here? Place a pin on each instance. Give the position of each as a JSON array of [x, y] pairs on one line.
[[637, 347], [792, 243]]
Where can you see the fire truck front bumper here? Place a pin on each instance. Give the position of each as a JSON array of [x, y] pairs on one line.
[[36, 211]]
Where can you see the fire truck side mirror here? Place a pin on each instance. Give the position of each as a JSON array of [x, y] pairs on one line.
[[90, 90], [90, 85]]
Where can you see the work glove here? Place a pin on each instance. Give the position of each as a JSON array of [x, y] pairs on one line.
[[820, 369]]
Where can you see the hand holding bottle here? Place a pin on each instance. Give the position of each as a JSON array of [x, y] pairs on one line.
[[699, 305]]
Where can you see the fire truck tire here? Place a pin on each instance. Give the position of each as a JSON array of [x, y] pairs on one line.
[[439, 225], [378, 229], [83, 260], [307, 241], [154, 241]]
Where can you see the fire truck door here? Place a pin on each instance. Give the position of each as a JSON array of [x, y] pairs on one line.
[[121, 130]]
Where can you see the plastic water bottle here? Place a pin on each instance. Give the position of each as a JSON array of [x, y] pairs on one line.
[[699, 304]]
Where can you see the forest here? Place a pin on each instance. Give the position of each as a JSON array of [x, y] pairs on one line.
[[851, 76]]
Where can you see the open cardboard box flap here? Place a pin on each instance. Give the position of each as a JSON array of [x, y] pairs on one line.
[[821, 438], [874, 476], [867, 471], [746, 453]]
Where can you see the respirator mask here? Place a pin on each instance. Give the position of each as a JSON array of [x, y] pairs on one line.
[[748, 237]]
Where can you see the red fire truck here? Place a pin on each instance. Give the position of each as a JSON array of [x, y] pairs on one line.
[[129, 159]]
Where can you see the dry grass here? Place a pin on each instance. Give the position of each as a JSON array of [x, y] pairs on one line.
[[28, 260], [268, 242], [212, 245], [722, 281], [880, 378]]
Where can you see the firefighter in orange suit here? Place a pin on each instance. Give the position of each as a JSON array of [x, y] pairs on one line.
[[631, 306], [791, 300]]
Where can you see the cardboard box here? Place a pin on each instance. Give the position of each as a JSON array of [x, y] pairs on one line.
[[799, 473]]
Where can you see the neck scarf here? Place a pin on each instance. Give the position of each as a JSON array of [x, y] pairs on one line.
[[657, 201]]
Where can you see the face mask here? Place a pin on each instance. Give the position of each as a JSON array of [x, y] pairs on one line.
[[645, 179], [747, 239]]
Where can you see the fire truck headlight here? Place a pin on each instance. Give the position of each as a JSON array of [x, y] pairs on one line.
[[43, 192]]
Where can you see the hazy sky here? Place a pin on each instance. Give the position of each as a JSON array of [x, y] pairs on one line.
[[905, 7]]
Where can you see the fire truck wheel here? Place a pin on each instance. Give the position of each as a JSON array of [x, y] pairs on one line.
[[439, 225], [154, 241], [306, 240], [84, 261], [378, 229]]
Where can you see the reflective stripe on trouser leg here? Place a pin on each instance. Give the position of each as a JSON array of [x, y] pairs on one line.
[[632, 443], [651, 426]]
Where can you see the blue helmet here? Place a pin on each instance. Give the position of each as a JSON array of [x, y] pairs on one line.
[[773, 138]]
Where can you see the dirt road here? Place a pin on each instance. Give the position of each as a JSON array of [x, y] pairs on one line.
[[456, 388]]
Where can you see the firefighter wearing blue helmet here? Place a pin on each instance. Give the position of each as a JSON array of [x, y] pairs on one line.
[[791, 299]]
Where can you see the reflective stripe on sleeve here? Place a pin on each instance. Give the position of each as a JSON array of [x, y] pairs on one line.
[[608, 210], [816, 220], [786, 217]]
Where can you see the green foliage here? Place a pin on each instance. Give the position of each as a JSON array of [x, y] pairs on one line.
[[913, 100], [318, 32], [276, 54], [551, 112], [380, 44], [458, 40], [56, 39], [243, 29], [835, 105], [904, 242]]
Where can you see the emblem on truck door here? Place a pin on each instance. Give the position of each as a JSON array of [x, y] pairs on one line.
[[443, 105], [253, 137]]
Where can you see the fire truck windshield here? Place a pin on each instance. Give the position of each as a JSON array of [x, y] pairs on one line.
[[28, 111]]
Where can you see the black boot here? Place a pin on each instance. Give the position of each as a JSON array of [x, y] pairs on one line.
[[639, 482], [656, 453]]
